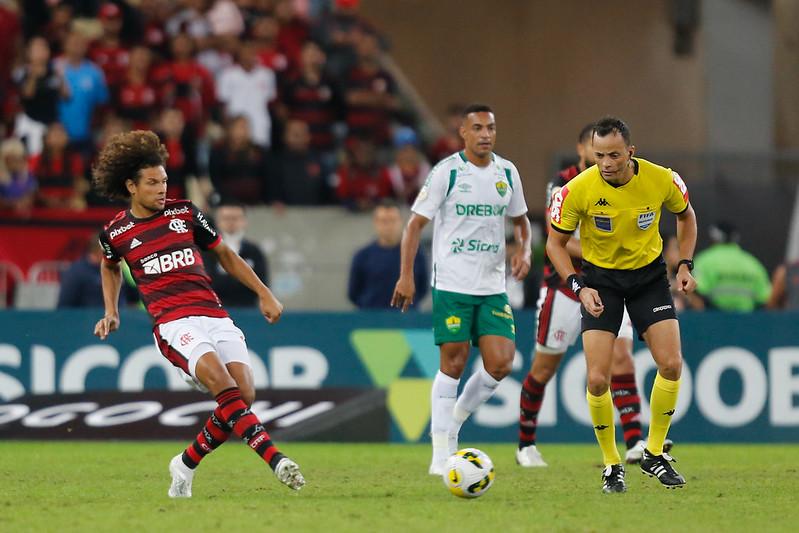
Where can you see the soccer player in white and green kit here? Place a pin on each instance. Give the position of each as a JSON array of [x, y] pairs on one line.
[[469, 194]]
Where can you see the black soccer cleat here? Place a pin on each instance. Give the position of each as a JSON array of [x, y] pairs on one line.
[[659, 466], [613, 479]]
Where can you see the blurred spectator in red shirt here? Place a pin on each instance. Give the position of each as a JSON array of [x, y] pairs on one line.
[[154, 14], [338, 31], [40, 86], [108, 52], [185, 84], [294, 31], [136, 99], [59, 172], [237, 167], [370, 93], [408, 173], [451, 141], [362, 181], [264, 35], [313, 98], [182, 149], [10, 30], [17, 184]]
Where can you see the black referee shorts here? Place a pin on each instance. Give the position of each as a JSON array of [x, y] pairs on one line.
[[644, 290]]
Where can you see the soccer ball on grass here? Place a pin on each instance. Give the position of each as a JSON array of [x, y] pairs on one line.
[[469, 473]]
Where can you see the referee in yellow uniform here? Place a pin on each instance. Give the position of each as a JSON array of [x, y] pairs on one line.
[[617, 205]]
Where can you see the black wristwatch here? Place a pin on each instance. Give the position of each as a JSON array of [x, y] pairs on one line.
[[688, 262]]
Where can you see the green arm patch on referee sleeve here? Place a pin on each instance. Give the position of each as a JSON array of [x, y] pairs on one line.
[[452, 175], [507, 175]]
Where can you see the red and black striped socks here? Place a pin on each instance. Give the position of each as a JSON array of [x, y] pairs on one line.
[[529, 405], [627, 401], [237, 416], [213, 435]]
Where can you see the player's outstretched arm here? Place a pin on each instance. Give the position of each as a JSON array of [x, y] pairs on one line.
[[111, 277], [406, 287], [237, 267], [686, 238]]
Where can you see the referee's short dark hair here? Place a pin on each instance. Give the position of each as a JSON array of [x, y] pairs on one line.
[[608, 125], [476, 108]]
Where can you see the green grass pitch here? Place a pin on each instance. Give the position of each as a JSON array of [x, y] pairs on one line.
[[121, 486]]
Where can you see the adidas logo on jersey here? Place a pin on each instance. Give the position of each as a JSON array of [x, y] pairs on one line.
[[602, 202], [134, 243]]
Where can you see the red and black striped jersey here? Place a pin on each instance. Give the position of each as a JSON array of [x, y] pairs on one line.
[[551, 277], [163, 253]]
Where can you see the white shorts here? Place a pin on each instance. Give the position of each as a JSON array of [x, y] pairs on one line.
[[558, 324], [185, 340]]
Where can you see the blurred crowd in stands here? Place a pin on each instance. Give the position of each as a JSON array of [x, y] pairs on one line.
[[259, 102], [276, 102]]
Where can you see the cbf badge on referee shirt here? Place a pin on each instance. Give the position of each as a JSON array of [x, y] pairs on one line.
[[645, 219]]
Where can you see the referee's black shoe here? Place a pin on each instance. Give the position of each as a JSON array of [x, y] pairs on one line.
[[613, 479], [659, 466]]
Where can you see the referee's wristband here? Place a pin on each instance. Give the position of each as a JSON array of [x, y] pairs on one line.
[[575, 283]]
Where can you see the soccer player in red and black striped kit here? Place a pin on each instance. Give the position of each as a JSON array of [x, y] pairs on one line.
[[160, 240], [558, 327]]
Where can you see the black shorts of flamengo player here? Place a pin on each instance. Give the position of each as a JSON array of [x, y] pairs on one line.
[[645, 292]]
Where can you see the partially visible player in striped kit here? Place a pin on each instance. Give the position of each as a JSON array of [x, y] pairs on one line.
[[160, 240]]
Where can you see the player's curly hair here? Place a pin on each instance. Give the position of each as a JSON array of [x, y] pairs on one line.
[[121, 159]]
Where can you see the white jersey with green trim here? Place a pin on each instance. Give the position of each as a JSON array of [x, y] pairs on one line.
[[469, 205]]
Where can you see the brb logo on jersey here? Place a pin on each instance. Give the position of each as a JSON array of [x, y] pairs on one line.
[[556, 208], [178, 226], [160, 264]]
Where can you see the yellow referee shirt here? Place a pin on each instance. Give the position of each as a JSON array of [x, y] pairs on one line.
[[619, 225]]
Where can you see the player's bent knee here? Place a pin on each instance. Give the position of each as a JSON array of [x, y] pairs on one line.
[[499, 372], [453, 360], [543, 373], [597, 383], [218, 380], [453, 368], [248, 396], [671, 368]]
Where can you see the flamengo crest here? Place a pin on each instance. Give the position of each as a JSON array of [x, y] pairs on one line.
[[178, 226]]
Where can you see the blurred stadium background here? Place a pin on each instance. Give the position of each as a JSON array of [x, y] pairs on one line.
[[311, 112]]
